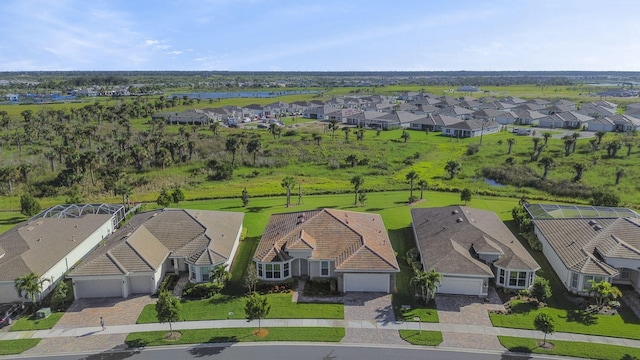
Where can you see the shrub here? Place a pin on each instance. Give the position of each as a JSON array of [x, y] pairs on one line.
[[473, 149], [201, 290], [168, 283], [321, 287], [533, 241], [290, 133], [270, 287]]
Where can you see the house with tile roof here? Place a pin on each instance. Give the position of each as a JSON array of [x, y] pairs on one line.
[[135, 259], [52, 242], [352, 247], [472, 249], [586, 248]]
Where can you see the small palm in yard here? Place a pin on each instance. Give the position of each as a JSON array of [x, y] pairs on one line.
[[257, 308]]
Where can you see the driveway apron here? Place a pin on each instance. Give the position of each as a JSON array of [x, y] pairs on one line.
[[374, 307], [468, 310]]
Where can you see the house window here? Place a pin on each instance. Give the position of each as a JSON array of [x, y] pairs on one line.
[[501, 277], [276, 271], [574, 280], [206, 273], [324, 268], [518, 278], [268, 271], [259, 269], [173, 263], [286, 270], [625, 274]]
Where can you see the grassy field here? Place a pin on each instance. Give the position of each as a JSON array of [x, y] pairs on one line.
[[13, 347], [570, 348], [222, 307], [232, 335], [384, 159]]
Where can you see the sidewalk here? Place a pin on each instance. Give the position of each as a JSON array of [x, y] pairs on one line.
[[353, 324]]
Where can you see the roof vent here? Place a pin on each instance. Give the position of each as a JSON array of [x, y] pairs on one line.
[[597, 227], [454, 212], [459, 220], [592, 222]]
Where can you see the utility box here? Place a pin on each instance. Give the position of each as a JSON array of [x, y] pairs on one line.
[[43, 313]]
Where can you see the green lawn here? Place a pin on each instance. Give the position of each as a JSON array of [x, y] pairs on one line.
[[222, 307], [569, 348], [31, 323], [624, 325], [315, 334], [424, 337], [12, 347]]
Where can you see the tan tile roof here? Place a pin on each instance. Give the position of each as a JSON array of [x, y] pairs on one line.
[[354, 241], [202, 237], [38, 244], [446, 236], [578, 241]]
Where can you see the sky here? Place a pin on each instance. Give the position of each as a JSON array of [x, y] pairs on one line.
[[324, 35]]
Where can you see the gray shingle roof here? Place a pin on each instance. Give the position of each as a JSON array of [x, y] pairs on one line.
[[446, 236], [202, 237]]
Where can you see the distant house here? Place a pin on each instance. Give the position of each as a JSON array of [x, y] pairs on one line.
[[471, 128], [601, 124], [433, 122], [625, 123], [527, 117], [12, 97], [467, 88], [457, 112], [352, 247], [188, 117], [472, 249], [135, 259], [566, 120]]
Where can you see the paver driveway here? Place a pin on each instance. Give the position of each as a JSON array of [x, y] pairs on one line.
[[375, 307], [87, 313], [468, 310]]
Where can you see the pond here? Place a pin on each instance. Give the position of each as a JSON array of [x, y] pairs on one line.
[[493, 183], [241, 94]]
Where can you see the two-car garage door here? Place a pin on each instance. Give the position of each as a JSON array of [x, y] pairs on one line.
[[366, 282], [98, 288], [460, 286]]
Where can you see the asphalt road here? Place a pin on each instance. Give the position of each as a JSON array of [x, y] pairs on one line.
[[279, 351]]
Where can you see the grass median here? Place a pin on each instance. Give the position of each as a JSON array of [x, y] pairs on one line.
[[12, 347], [570, 348], [424, 337], [32, 323], [232, 335]]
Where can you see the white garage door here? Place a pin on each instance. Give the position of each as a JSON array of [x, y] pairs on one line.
[[366, 282], [460, 286], [98, 288], [140, 284]]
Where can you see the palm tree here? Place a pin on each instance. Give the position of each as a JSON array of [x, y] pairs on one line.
[[347, 131], [547, 163], [31, 285], [233, 144], [273, 130], [620, 172], [352, 159], [452, 167], [287, 183], [333, 126], [405, 136], [360, 135], [546, 135], [219, 274], [215, 128], [536, 141], [425, 284], [411, 177], [357, 182], [317, 138], [253, 147], [568, 143], [599, 135], [510, 142], [575, 137], [422, 184], [580, 169]]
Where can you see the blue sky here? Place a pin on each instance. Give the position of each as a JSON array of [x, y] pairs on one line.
[[326, 35]]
